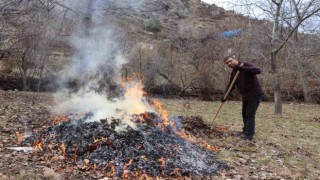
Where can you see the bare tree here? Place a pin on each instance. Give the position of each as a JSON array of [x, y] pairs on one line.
[[277, 11]]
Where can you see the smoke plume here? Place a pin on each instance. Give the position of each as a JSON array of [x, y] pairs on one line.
[[92, 82]]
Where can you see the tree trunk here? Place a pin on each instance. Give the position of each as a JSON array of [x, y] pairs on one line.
[[276, 85], [301, 70], [87, 20], [304, 82], [24, 82], [40, 79], [273, 59]]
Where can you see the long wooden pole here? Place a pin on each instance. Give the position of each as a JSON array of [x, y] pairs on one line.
[[227, 94]]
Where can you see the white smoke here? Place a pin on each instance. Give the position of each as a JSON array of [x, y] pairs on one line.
[[98, 59]]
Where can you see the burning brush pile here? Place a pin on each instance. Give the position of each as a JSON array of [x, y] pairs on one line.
[[151, 149], [117, 134]]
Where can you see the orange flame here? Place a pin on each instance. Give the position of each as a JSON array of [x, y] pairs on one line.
[[105, 167], [126, 174], [209, 147], [140, 146], [137, 89], [86, 164], [112, 172], [63, 150], [222, 128], [98, 140], [164, 113], [38, 145], [20, 138], [127, 164], [186, 136], [146, 115]]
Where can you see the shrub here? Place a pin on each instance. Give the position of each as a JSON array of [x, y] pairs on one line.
[[153, 25]]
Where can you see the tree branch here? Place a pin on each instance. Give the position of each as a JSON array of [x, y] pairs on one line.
[[70, 9], [294, 28]]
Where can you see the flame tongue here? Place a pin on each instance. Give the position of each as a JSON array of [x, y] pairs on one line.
[[63, 150], [164, 113], [20, 138]]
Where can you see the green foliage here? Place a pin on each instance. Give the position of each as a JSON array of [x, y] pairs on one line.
[[153, 25]]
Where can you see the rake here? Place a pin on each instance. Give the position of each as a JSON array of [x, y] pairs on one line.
[[227, 94]]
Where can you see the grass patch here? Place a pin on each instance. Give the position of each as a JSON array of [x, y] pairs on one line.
[[290, 141]]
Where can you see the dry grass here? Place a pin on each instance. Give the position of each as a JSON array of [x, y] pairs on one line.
[[286, 146]]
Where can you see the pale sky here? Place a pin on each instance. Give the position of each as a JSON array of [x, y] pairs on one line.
[[220, 3], [231, 5]]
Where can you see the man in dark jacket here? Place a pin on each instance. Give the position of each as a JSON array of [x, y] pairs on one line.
[[250, 90]]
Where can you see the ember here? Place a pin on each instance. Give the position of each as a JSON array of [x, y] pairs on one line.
[[20, 138], [151, 150]]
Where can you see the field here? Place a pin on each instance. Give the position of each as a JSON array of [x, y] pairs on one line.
[[284, 147]]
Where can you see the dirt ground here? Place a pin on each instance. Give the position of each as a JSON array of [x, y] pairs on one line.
[[283, 148]]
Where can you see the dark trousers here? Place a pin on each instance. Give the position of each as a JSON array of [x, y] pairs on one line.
[[249, 109]]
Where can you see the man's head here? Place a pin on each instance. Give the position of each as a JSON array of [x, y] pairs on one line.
[[231, 61]]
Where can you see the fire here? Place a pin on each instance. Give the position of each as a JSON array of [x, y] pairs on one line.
[[133, 102], [105, 167], [98, 140], [135, 90], [112, 172], [164, 113], [140, 147], [126, 173], [222, 128], [146, 115], [63, 150], [86, 164], [207, 146], [186, 136], [20, 138], [39, 145], [127, 164]]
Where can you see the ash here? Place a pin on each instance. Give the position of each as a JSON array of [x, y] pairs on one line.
[[152, 148]]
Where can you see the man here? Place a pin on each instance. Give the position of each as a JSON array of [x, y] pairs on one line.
[[250, 90]]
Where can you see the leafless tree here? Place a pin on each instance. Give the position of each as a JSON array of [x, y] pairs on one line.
[[277, 11]]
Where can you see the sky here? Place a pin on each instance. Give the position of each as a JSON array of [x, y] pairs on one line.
[[232, 5], [220, 3]]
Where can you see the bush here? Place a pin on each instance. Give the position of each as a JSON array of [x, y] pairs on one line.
[[153, 25]]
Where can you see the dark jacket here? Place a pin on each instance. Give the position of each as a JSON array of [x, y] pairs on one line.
[[247, 82]]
